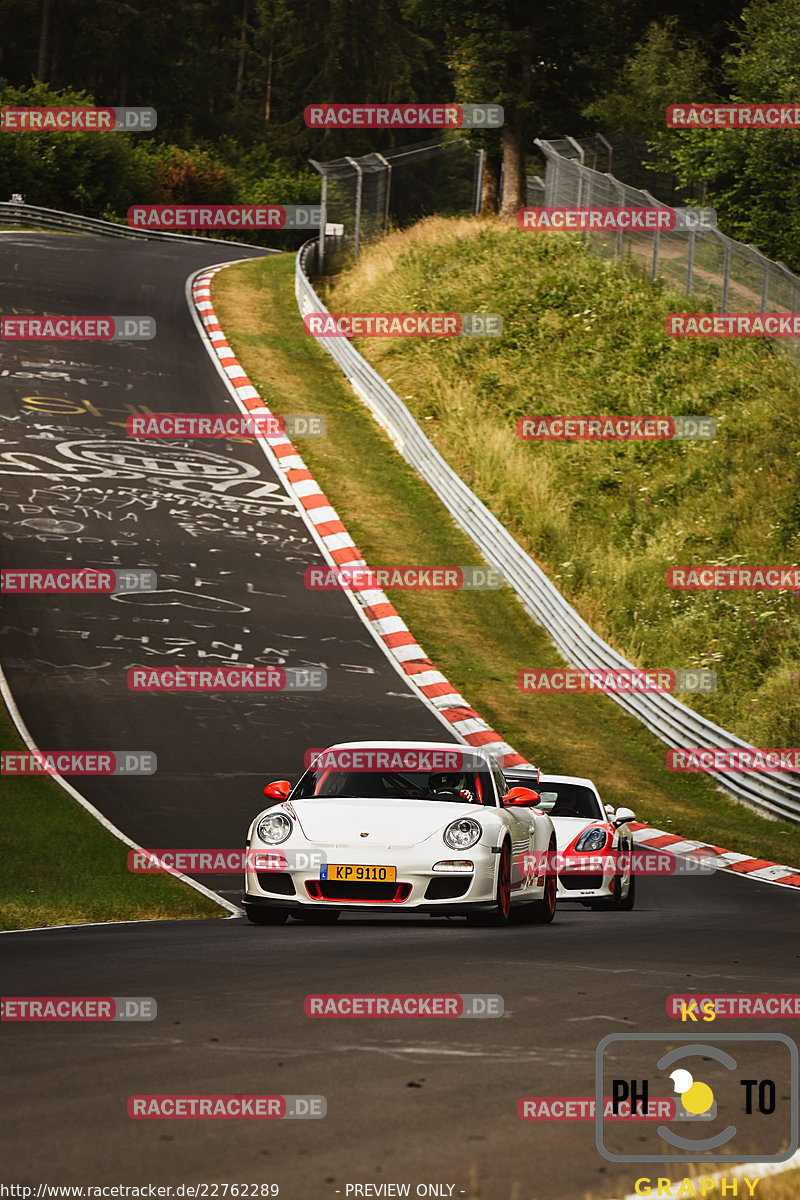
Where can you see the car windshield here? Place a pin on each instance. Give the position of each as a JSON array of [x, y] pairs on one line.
[[569, 800], [465, 787]]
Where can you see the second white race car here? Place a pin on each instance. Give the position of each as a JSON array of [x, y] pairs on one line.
[[596, 839], [379, 830]]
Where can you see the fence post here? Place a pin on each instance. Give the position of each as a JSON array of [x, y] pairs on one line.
[[608, 147], [388, 166], [690, 262], [321, 248], [357, 229], [477, 183], [726, 275]]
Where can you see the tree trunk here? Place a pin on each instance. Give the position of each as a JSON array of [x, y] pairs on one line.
[[268, 104], [41, 66], [237, 95], [490, 191], [514, 184]]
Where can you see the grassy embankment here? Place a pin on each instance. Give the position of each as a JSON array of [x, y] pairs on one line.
[[480, 640]]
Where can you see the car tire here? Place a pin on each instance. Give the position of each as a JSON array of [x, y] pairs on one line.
[[500, 912], [630, 900], [259, 915], [541, 912], [317, 916]]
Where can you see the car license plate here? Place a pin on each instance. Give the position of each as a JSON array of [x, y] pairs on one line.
[[361, 873]]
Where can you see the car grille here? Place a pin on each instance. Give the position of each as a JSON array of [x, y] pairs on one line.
[[574, 882], [382, 893], [447, 889], [277, 882]]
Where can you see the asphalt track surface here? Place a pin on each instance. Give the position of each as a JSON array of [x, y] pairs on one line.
[[409, 1102]]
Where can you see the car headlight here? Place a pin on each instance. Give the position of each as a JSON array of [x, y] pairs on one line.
[[274, 828], [592, 839], [462, 834]]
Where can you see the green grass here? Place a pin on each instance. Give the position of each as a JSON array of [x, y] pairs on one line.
[[480, 640], [61, 867], [586, 336]]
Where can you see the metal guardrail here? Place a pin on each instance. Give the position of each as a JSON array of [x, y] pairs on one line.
[[776, 794], [28, 216]]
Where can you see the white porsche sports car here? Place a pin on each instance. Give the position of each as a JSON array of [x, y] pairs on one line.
[[588, 831], [380, 826]]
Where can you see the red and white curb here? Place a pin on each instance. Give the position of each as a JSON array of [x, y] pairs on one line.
[[380, 614], [723, 860], [332, 537]]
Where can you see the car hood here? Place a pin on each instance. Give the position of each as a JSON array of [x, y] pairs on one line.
[[569, 828], [386, 823]]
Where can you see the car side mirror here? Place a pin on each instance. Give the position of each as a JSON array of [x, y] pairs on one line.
[[279, 790], [521, 797], [622, 815]]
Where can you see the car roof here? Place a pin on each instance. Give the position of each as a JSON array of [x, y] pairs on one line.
[[395, 745]]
